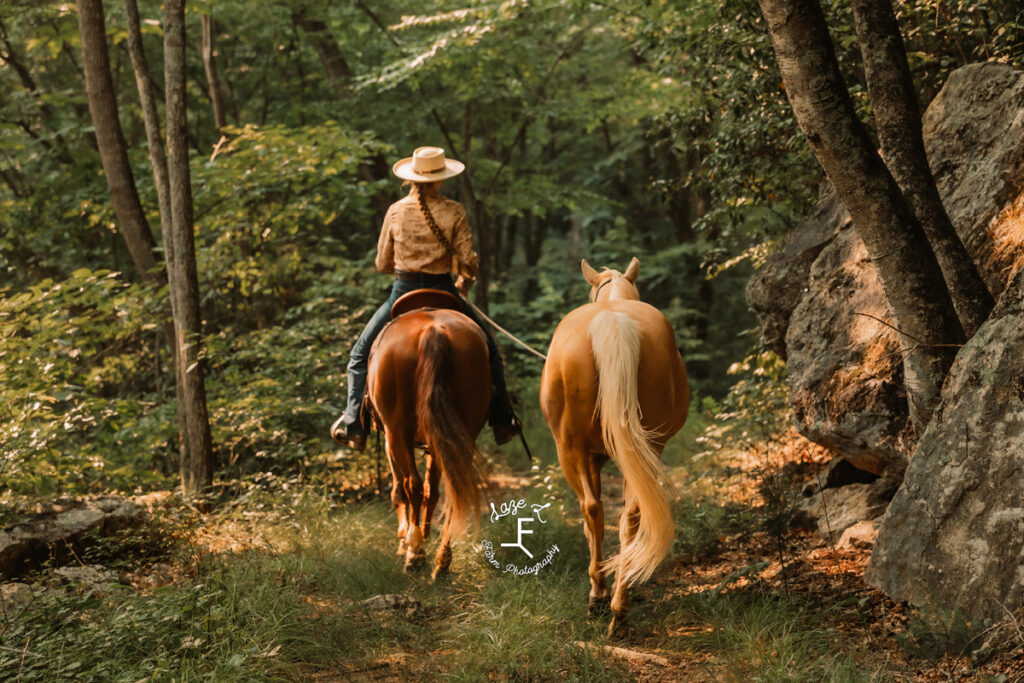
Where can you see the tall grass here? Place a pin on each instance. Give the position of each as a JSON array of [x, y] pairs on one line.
[[753, 635], [277, 614]]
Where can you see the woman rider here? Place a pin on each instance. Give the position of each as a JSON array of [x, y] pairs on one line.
[[412, 246]]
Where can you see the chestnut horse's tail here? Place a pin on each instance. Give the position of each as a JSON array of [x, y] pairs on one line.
[[615, 340], [444, 430]]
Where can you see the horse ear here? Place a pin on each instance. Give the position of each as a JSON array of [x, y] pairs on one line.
[[589, 273], [633, 270]]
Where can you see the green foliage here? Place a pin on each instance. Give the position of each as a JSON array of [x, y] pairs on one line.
[[937, 632], [755, 408], [76, 407], [702, 525], [273, 392], [276, 207]]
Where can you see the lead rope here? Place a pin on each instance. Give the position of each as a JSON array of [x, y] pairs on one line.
[[505, 332]]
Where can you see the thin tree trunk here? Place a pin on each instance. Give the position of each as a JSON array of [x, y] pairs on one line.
[[679, 203], [484, 230], [179, 245], [911, 279], [150, 115], [158, 160], [898, 121], [326, 48], [99, 88], [213, 86], [575, 241]]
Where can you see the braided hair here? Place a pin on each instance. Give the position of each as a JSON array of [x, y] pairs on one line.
[[422, 190]]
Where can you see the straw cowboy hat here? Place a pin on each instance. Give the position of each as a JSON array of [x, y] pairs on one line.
[[426, 165]]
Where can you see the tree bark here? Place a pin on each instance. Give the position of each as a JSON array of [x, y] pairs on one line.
[[898, 121], [158, 161], [99, 88], [575, 241], [213, 86], [179, 246], [911, 279], [326, 48], [484, 231], [150, 115]]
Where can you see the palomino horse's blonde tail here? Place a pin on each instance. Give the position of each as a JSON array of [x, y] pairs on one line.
[[615, 340], [447, 437]]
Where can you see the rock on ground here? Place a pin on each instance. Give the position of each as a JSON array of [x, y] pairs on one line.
[[834, 511], [392, 603], [954, 533], [60, 528], [860, 536], [14, 594], [91, 578]]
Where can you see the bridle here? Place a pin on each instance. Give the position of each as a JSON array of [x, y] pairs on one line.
[[598, 290]]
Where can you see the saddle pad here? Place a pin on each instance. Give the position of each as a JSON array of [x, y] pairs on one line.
[[425, 298]]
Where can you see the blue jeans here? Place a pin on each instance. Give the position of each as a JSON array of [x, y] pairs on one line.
[[501, 409]]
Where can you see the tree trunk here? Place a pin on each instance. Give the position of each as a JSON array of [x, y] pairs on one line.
[[575, 241], [212, 77], [679, 204], [158, 160], [484, 230], [327, 49], [179, 246], [99, 88], [914, 287], [898, 120]]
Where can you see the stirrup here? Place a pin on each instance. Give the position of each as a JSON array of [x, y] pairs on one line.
[[350, 436]]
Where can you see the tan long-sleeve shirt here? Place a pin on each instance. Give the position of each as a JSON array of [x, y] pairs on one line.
[[407, 243]]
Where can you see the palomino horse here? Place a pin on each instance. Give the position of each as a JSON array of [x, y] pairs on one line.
[[428, 384], [614, 386]]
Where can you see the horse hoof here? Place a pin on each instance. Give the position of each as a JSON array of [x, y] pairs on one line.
[[414, 563], [599, 607], [619, 628], [403, 547], [441, 574]]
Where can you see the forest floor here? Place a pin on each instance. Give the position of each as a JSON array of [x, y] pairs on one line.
[[282, 585]]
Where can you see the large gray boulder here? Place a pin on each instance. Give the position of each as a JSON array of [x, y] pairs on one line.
[[61, 530], [775, 289], [974, 131], [819, 299], [954, 534]]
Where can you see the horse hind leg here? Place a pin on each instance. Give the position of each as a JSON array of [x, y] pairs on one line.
[[407, 494], [431, 492], [402, 510], [629, 521], [415, 555], [443, 563], [584, 476]]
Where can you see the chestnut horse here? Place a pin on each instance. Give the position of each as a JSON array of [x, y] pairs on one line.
[[614, 386], [428, 383]]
